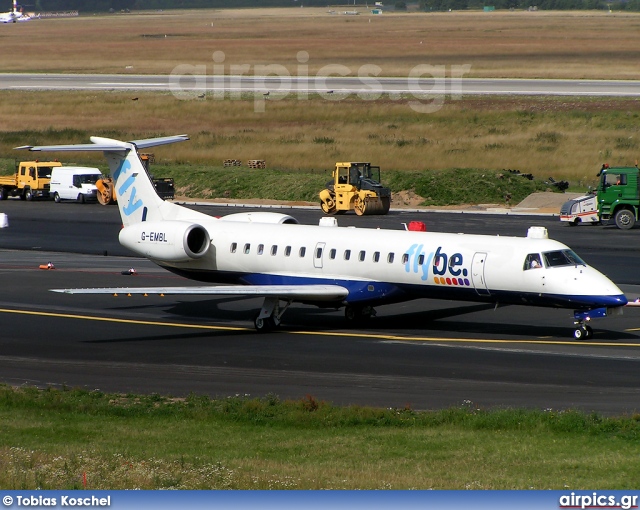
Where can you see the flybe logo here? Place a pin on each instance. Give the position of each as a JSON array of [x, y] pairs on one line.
[[128, 184], [446, 269]]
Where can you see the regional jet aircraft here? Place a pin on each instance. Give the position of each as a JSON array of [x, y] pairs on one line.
[[272, 256], [14, 15]]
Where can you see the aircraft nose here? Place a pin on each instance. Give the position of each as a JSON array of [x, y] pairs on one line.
[[613, 301]]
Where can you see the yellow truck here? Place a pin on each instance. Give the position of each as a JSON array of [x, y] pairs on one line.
[[32, 179], [355, 186]]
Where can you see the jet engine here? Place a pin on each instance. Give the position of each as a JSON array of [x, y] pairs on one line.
[[171, 241]]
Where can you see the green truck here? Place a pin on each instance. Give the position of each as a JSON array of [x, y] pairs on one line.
[[617, 198]]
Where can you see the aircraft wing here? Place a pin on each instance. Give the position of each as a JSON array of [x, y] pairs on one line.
[[295, 292]]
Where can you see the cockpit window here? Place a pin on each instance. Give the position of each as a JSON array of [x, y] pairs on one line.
[[562, 258], [532, 261]]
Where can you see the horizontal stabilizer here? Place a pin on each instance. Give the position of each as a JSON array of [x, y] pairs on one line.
[[76, 147], [163, 140], [295, 292], [106, 144]]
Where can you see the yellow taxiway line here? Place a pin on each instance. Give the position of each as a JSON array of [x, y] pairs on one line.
[[373, 336]]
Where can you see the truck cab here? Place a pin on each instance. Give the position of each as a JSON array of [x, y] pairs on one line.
[[618, 197]]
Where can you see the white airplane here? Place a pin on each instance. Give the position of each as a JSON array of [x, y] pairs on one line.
[[14, 15], [269, 255]]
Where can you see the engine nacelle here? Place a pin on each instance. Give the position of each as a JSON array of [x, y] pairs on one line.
[[172, 241], [261, 217]]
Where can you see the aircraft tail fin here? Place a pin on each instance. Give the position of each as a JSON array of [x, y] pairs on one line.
[[135, 193]]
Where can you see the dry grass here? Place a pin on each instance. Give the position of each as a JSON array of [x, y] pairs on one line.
[[498, 44], [566, 139]]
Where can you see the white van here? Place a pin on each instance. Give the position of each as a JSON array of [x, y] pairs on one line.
[[74, 183]]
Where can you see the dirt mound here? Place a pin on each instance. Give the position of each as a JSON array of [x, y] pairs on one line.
[[546, 201]]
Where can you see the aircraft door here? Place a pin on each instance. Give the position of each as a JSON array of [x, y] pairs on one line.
[[477, 273], [318, 254]]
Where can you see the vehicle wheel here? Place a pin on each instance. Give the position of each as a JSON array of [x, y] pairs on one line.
[[264, 325], [359, 206], [583, 333], [3, 194], [386, 205], [80, 198], [625, 219], [574, 223], [28, 195], [357, 314], [327, 208], [56, 198]]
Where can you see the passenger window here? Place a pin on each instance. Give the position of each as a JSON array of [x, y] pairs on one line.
[[260, 249], [390, 258], [362, 255], [405, 258], [347, 254], [533, 261], [376, 256], [247, 248], [420, 260], [234, 247], [287, 251], [318, 253], [274, 249], [302, 252], [332, 253]]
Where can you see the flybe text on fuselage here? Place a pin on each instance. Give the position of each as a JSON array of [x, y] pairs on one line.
[[438, 263]]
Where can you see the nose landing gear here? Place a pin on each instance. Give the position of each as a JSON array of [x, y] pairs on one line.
[[583, 331]]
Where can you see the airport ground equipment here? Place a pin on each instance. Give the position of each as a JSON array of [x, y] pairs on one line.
[[165, 186], [355, 186], [616, 198], [32, 179]]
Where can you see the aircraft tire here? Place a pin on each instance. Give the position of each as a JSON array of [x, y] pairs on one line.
[[583, 333], [264, 325]]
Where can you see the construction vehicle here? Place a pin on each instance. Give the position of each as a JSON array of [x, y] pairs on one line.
[[617, 197], [32, 179], [164, 186], [355, 186]]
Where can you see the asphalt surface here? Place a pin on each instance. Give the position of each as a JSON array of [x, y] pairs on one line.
[[426, 354], [334, 85]]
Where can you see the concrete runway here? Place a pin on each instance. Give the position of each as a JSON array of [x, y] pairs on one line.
[[395, 87], [426, 354]]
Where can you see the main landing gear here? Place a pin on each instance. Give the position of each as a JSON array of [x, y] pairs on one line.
[[355, 314], [270, 314]]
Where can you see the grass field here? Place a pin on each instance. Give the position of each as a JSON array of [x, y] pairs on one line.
[[56, 439], [51, 438], [497, 44], [548, 137]]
